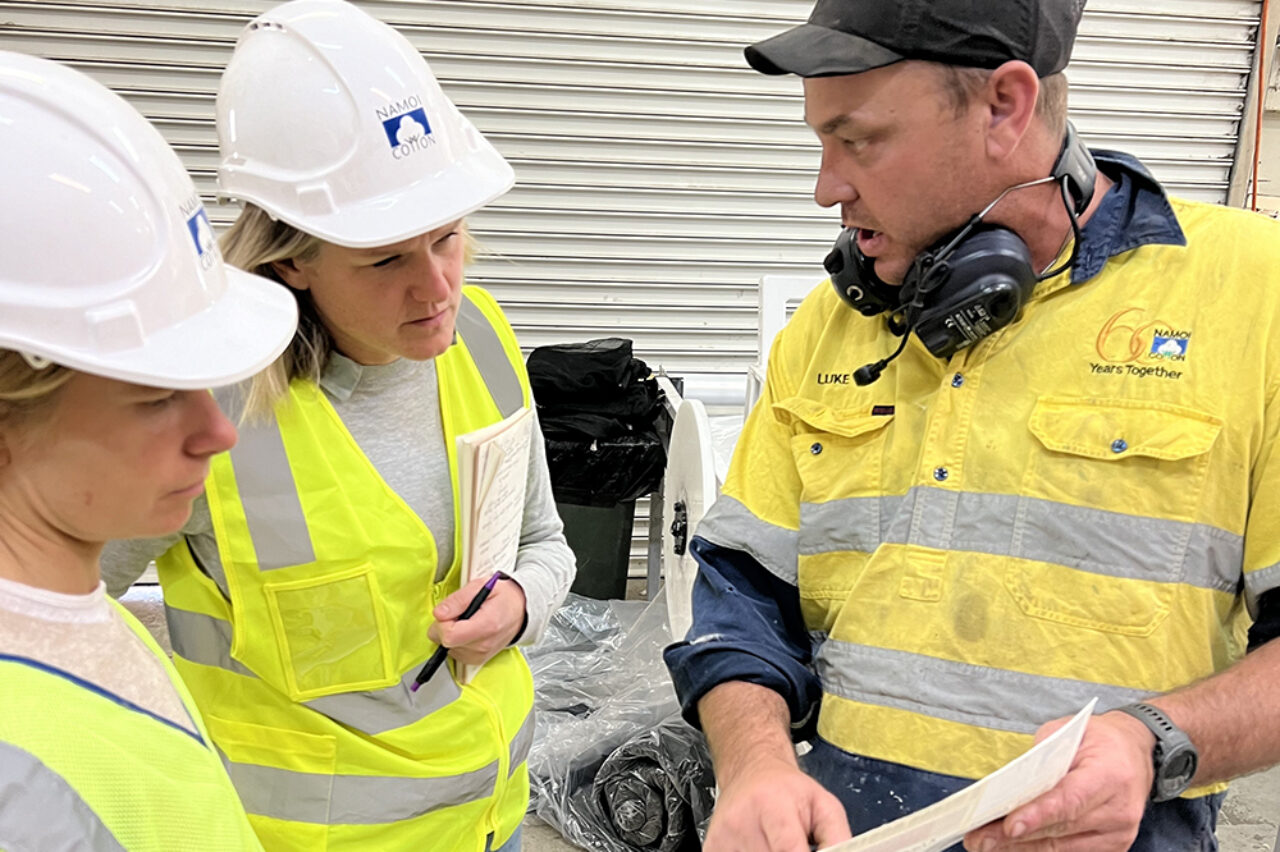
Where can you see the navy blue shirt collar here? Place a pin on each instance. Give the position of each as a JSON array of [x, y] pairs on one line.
[[1134, 212]]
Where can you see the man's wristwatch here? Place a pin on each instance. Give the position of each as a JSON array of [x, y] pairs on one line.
[[1174, 755]]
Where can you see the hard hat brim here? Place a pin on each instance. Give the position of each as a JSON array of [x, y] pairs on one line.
[[234, 338], [460, 190]]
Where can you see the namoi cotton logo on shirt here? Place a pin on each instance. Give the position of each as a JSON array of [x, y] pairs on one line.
[[1170, 347]]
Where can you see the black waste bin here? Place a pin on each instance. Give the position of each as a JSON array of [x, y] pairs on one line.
[[606, 434], [600, 538]]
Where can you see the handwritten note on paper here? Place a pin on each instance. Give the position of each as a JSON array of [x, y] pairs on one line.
[[493, 467], [1011, 786], [502, 464]]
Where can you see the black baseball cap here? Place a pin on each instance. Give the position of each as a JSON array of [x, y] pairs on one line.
[[851, 36]]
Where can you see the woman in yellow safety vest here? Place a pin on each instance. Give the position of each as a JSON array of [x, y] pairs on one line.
[[116, 315], [306, 594]]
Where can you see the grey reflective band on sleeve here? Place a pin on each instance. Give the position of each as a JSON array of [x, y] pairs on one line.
[[490, 358], [269, 494], [1257, 583], [729, 523], [39, 810], [352, 799]]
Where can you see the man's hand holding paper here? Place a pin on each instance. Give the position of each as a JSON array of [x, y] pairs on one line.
[[1096, 806]]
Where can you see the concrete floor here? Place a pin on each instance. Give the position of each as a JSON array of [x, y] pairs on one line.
[[1251, 814], [1249, 821]]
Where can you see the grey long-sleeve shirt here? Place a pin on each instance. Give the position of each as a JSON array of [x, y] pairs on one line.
[[393, 412]]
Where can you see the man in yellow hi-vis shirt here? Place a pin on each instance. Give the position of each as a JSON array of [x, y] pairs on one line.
[[1018, 456]]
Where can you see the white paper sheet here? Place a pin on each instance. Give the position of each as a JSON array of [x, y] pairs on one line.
[[1011, 786]]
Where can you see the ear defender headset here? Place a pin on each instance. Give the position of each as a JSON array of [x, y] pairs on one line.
[[968, 284]]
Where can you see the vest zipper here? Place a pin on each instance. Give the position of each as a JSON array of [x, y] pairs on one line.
[[504, 759]]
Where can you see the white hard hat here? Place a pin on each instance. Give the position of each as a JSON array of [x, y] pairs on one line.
[[107, 262], [329, 120]]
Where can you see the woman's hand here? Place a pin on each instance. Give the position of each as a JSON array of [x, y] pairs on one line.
[[492, 628]]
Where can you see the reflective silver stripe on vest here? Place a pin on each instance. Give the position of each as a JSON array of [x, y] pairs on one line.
[[1093, 540], [40, 810], [381, 710], [202, 639], [206, 640], [521, 743], [958, 692], [729, 523], [270, 497], [352, 799], [1258, 582], [490, 357]]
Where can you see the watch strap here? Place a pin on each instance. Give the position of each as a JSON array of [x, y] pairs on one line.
[[1161, 725], [1169, 737]]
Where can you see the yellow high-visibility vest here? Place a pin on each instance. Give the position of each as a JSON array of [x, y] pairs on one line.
[[301, 653], [83, 768]]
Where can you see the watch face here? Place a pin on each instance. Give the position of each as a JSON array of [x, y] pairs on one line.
[[1176, 768], [1181, 764]]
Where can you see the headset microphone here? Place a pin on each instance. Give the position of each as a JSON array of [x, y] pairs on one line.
[[868, 373]]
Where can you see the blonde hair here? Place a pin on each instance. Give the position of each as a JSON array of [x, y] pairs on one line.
[[254, 242], [25, 390], [961, 85]]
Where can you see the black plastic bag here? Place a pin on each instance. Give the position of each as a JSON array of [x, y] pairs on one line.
[[655, 790], [602, 416], [607, 471], [598, 371]]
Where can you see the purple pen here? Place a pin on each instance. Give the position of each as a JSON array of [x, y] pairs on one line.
[[437, 658]]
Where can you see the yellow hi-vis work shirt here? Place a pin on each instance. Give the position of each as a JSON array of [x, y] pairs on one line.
[[82, 768], [302, 653], [1083, 504]]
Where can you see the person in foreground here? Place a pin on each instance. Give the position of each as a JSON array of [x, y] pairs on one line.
[[305, 595], [1017, 454], [114, 321]]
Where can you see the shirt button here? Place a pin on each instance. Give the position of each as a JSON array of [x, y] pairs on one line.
[[957, 380], [1119, 445], [816, 449], [940, 474]]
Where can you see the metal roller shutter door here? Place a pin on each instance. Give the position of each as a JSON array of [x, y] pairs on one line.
[[658, 177]]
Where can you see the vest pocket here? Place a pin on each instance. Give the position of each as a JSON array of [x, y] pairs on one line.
[[331, 633]]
